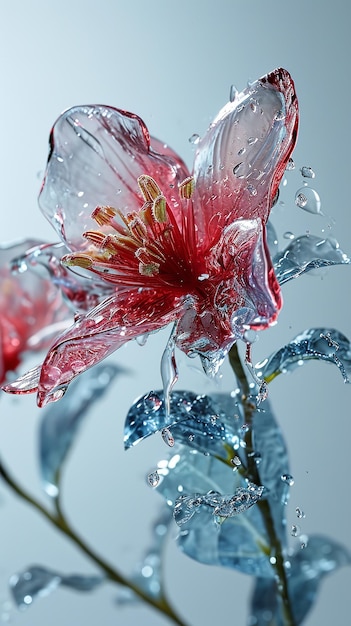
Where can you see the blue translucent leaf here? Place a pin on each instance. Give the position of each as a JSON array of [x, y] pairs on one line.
[[61, 421], [308, 568], [306, 253], [239, 541], [37, 582], [325, 344]]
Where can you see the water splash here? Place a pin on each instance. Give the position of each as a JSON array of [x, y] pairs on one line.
[[306, 253]]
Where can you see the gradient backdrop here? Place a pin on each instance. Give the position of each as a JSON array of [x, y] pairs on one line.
[[173, 64]]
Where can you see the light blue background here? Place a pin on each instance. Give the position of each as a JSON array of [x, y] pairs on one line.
[[173, 64]]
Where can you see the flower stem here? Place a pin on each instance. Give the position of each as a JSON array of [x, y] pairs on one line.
[[252, 473], [59, 520]]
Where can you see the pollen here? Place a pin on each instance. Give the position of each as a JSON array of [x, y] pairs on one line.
[[186, 187], [77, 260], [103, 215], [149, 269], [149, 188], [159, 210]]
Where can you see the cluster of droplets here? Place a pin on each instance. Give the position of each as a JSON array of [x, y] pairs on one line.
[[295, 530]]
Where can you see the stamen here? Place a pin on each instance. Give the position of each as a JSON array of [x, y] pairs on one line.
[[115, 243], [149, 188], [149, 269], [159, 210], [103, 215], [95, 236], [186, 187], [79, 260], [138, 229]]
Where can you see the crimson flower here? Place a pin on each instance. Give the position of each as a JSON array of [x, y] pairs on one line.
[[174, 247], [31, 310]]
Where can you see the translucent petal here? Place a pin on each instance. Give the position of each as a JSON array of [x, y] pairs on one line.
[[242, 158], [308, 568], [61, 422], [31, 309], [37, 582], [306, 253], [325, 344], [81, 291], [102, 331], [96, 155]]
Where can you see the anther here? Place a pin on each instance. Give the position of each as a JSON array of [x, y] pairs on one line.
[[159, 210], [186, 187], [149, 269], [103, 215], [77, 260], [149, 188]]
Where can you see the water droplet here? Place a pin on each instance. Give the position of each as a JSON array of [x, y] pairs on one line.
[[295, 530], [236, 461], [153, 478], [307, 172], [167, 437], [279, 116], [263, 393], [250, 336], [245, 428], [233, 92], [152, 402], [241, 151], [194, 139], [252, 190], [290, 165], [203, 277], [236, 169], [252, 140], [273, 560], [288, 235], [287, 478], [191, 437], [308, 199], [299, 513], [303, 542]]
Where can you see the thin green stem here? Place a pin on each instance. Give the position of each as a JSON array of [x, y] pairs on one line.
[[252, 473], [59, 520]]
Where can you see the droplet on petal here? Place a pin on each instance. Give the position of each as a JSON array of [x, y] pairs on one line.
[[288, 235]]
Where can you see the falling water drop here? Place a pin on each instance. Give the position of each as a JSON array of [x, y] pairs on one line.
[[308, 199], [288, 479], [194, 139], [295, 530], [290, 165], [307, 172], [300, 513], [167, 437], [153, 478], [289, 235]]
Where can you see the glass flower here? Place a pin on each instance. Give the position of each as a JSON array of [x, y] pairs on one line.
[[175, 247], [31, 310]]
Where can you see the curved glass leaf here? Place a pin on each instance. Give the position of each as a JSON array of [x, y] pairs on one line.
[[60, 422], [38, 582], [306, 253], [239, 541], [325, 344], [308, 567]]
